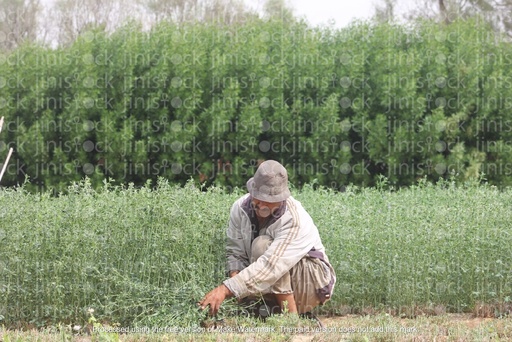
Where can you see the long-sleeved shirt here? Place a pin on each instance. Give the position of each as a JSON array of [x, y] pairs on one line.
[[294, 236]]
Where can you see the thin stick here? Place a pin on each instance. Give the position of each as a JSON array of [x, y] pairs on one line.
[[1, 123], [5, 163]]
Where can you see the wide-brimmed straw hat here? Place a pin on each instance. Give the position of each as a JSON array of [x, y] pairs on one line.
[[270, 182]]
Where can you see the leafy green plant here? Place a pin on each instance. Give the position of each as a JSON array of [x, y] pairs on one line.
[[146, 256], [208, 101]]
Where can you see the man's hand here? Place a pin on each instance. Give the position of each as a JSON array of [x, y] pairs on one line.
[[214, 298]]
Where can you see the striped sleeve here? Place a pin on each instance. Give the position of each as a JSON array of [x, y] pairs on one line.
[[290, 244]]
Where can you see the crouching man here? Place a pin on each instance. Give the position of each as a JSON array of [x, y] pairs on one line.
[[273, 248]]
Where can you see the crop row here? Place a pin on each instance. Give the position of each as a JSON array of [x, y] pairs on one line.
[[141, 256]]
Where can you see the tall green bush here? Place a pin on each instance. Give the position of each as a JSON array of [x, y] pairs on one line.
[[336, 106]]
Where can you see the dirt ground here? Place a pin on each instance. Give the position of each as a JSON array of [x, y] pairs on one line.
[[381, 327], [447, 327]]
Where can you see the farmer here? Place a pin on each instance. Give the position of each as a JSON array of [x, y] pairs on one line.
[[273, 248]]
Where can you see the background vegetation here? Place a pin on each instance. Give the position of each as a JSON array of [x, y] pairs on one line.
[[428, 249], [194, 91], [336, 106]]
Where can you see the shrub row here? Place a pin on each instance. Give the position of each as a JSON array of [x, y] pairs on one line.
[[207, 102]]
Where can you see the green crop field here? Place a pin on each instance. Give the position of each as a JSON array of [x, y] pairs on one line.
[[146, 256]]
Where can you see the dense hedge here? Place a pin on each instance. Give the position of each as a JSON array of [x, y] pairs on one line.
[[336, 105]]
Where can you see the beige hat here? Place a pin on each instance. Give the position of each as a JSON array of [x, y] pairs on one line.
[[270, 182]]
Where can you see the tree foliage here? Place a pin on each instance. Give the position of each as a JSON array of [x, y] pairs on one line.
[[19, 22], [208, 102], [496, 13]]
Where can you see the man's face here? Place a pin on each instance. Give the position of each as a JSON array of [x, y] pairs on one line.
[[265, 209]]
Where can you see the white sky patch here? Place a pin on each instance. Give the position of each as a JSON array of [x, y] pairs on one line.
[[320, 12]]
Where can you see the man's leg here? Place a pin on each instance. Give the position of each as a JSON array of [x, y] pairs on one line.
[[282, 289], [286, 301], [308, 277]]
